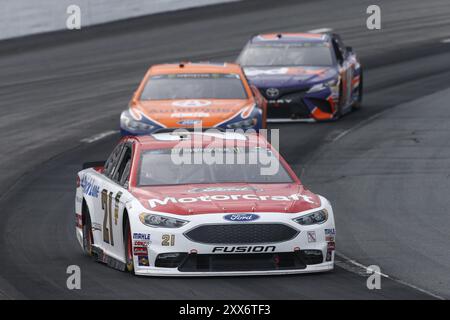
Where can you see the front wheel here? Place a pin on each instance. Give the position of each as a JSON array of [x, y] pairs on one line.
[[88, 239], [128, 248], [358, 103], [338, 112]]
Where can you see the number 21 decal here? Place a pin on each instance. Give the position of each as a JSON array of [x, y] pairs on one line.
[[168, 240], [107, 218]]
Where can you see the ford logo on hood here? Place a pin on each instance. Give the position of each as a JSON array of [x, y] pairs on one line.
[[241, 217]]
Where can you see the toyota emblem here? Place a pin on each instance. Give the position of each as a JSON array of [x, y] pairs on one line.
[[272, 92]]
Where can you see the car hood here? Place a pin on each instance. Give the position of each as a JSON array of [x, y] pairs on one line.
[[188, 112], [266, 77], [227, 198]]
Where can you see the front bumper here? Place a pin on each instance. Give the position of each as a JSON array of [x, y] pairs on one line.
[[255, 119], [302, 106], [161, 272], [192, 258]]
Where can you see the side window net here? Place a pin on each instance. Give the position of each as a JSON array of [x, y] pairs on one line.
[[121, 172], [112, 160]]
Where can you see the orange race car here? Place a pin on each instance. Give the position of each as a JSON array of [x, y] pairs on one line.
[[192, 94]]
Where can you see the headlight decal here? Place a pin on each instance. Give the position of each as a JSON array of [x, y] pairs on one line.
[[317, 217], [159, 221], [137, 124], [333, 85], [248, 123], [246, 118]]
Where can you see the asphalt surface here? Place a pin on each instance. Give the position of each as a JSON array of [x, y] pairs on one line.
[[386, 175]]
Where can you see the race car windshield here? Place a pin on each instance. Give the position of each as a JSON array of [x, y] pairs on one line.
[[194, 86], [162, 167], [306, 54]]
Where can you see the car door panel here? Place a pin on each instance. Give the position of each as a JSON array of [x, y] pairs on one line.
[[114, 196], [112, 205]]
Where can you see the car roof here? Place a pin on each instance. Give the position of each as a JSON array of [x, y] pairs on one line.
[[167, 140], [290, 37], [197, 67]]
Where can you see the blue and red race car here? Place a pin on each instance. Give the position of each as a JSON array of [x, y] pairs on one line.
[[303, 76]]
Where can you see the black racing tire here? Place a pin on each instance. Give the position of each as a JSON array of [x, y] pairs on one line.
[[128, 245], [338, 113], [88, 237], [358, 103]]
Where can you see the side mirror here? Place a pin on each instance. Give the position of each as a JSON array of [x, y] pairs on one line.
[[97, 165]]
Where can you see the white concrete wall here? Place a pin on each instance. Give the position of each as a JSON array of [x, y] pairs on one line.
[[25, 17]]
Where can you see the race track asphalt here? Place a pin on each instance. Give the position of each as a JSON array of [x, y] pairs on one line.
[[386, 174]]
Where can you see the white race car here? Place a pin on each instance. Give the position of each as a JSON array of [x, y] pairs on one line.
[[146, 212]]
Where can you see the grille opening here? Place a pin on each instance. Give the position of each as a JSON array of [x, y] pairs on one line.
[[312, 256], [239, 262], [170, 260], [242, 262], [242, 233], [288, 111]]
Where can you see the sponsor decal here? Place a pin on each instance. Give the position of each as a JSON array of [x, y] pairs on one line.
[[209, 150], [140, 251], [191, 103], [89, 187], [141, 236], [241, 217], [280, 101], [236, 197], [311, 236], [331, 246], [194, 112], [330, 232], [189, 115], [140, 243], [242, 249], [189, 122], [254, 72], [223, 189], [143, 261], [250, 72]]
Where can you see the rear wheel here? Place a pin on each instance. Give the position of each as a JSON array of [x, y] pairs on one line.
[[88, 238], [128, 248]]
